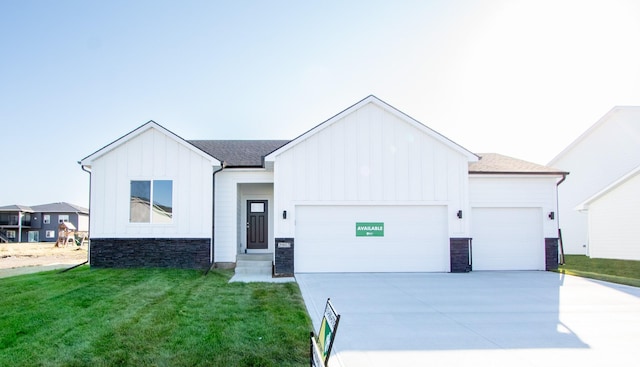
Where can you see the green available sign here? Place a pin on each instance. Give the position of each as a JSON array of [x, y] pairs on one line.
[[369, 229]]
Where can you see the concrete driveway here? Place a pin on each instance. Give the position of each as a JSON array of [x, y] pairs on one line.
[[477, 319]]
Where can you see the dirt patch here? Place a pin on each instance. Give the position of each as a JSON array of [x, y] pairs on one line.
[[16, 255]]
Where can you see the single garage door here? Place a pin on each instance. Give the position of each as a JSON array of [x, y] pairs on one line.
[[415, 239], [507, 239]]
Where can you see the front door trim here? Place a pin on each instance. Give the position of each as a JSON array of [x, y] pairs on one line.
[[257, 224]]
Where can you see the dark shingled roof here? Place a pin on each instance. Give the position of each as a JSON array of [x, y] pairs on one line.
[[239, 153], [15, 208], [61, 207], [498, 163]]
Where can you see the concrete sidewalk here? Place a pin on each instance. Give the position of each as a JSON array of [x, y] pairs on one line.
[[476, 319], [5, 273]]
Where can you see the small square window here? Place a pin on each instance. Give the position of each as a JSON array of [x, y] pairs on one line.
[[257, 207], [46, 219], [50, 234], [63, 218]]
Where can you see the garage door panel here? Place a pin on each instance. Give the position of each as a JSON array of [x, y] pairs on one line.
[[415, 239], [507, 239]]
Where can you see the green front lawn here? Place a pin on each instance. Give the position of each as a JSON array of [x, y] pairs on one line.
[[150, 317], [615, 271]]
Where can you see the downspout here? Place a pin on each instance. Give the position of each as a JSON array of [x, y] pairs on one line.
[[561, 245], [89, 224], [213, 216]]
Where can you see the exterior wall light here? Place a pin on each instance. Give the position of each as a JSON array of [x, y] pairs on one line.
[[284, 214], [459, 215], [552, 215]]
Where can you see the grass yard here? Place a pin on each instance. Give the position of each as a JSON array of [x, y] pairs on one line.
[[150, 317], [615, 271]]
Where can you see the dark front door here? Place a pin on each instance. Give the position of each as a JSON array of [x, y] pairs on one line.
[[257, 225]]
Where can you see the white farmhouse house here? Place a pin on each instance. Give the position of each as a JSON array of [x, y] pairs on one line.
[[369, 190], [598, 201]]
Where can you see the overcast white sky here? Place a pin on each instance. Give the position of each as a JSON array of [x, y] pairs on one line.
[[516, 77]]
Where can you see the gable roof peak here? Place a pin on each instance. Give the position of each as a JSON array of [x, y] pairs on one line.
[[86, 161], [388, 108]]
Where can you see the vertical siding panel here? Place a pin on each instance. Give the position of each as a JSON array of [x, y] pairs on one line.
[[440, 173], [311, 161], [414, 164], [428, 168], [389, 159], [110, 173], [401, 135], [134, 153], [300, 172], [159, 154], [146, 142], [185, 197], [325, 160], [172, 152], [375, 152], [351, 159], [337, 174], [363, 141]]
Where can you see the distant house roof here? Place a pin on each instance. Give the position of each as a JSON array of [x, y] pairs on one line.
[[239, 153], [493, 163], [61, 207], [16, 208]]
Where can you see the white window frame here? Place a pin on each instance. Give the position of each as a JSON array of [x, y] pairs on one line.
[[63, 218], [50, 234], [46, 219]]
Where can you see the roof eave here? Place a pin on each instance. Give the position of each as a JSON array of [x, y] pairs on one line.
[[518, 173]]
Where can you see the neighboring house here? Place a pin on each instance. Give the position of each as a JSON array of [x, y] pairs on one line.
[[39, 223], [603, 162], [369, 190]]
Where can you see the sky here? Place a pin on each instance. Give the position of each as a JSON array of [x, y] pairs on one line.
[[523, 78]]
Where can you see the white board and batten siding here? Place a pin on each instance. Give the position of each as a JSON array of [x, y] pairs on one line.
[[370, 164], [510, 220], [151, 155], [602, 154], [613, 221]]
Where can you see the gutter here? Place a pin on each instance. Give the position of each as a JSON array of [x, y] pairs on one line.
[[213, 217]]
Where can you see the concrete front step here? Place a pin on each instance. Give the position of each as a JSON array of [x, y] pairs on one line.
[[254, 257], [258, 264]]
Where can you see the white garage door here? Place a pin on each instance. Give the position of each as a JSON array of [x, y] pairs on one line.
[[415, 239], [507, 239]]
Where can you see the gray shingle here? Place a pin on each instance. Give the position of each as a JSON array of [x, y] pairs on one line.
[[239, 153], [498, 163]]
